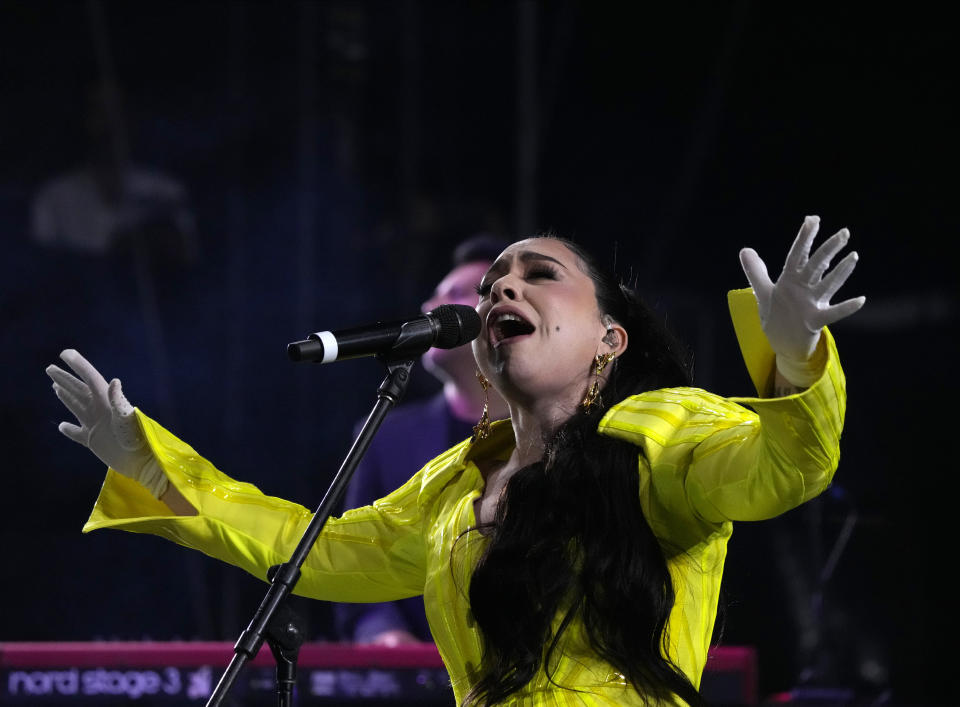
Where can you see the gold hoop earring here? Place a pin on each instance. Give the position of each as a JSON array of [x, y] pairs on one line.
[[600, 362], [481, 430]]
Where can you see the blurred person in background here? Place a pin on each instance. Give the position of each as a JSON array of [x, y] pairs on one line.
[[416, 432], [109, 203]]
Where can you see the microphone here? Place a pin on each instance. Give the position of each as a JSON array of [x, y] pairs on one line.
[[446, 327]]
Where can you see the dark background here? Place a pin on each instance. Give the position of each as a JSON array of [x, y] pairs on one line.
[[331, 155]]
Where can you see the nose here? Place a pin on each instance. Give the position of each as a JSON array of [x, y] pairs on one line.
[[504, 288]]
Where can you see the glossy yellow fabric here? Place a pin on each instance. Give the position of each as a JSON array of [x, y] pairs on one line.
[[707, 461]]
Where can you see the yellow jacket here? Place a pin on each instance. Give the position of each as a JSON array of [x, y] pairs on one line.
[[707, 461]]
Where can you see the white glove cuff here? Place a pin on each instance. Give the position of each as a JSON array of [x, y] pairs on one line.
[[803, 372], [151, 477]]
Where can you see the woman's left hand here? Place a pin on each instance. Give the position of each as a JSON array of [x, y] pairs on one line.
[[797, 306]]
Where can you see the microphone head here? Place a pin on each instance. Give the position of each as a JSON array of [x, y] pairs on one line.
[[459, 324]]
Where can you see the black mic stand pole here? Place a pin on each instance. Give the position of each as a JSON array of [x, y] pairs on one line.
[[285, 576]]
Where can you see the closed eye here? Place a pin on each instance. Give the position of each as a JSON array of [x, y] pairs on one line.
[[541, 272], [537, 272]]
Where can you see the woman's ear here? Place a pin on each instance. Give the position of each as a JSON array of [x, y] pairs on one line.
[[615, 336]]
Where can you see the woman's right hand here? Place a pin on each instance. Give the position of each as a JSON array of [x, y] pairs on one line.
[[108, 425]]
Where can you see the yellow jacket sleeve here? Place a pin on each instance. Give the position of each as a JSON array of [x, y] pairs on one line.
[[374, 553], [709, 460], [782, 455]]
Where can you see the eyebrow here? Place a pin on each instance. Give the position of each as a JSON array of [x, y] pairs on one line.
[[525, 256]]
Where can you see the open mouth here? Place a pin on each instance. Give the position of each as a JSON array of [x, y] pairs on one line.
[[507, 325]]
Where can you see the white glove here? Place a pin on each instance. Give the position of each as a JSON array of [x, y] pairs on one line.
[[797, 306], [108, 426]]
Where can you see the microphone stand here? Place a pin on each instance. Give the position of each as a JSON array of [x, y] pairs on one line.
[[284, 577], [285, 636]]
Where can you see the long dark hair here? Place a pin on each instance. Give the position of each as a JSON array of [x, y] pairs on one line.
[[570, 539]]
